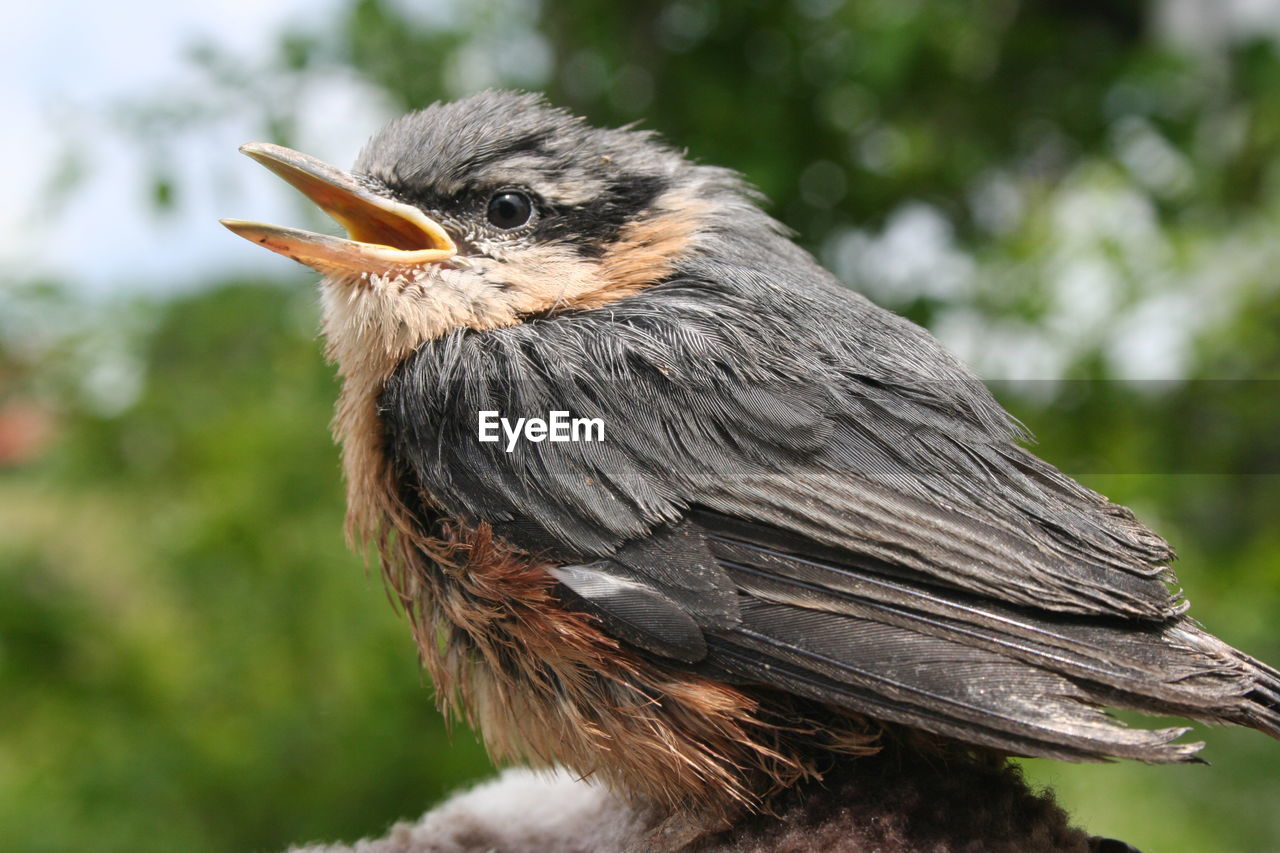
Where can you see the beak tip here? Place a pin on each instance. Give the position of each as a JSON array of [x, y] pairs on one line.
[[243, 228], [257, 150]]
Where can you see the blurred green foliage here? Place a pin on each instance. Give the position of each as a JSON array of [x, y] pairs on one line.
[[190, 659]]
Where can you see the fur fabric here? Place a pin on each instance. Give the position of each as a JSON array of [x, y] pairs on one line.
[[891, 806], [521, 811]]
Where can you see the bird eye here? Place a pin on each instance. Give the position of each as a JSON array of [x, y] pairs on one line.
[[510, 209]]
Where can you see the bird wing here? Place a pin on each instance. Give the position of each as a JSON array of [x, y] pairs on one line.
[[872, 540], [919, 473], [998, 674]]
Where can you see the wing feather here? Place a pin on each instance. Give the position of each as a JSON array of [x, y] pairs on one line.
[[834, 504], [920, 470]]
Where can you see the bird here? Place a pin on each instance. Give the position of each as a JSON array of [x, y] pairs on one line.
[[793, 531]]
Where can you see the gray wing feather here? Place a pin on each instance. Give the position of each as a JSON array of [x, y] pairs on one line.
[[801, 491]]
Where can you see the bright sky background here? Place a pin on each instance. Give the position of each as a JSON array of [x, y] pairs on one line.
[[64, 62], [64, 65]]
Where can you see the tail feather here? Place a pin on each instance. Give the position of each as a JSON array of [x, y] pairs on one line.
[[1011, 677], [1262, 708], [1042, 724]]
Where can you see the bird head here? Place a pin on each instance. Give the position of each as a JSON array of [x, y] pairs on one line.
[[487, 211]]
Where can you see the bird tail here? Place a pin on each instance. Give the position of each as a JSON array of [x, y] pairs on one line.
[[1260, 706], [1014, 678]]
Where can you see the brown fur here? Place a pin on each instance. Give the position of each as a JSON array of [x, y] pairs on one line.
[[544, 684], [901, 801]]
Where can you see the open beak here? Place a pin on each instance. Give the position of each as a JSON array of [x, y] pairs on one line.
[[383, 235]]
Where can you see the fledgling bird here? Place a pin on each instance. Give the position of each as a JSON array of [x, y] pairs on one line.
[[806, 530]]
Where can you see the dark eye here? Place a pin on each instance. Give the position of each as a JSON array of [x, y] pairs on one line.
[[510, 209]]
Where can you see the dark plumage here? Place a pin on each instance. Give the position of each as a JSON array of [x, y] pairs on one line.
[[807, 532]]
